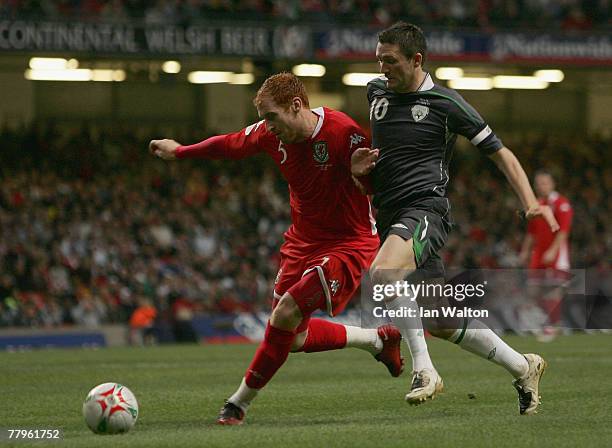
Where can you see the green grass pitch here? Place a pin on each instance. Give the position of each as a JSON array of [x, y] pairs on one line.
[[341, 398]]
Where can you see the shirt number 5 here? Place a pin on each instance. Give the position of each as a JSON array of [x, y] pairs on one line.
[[283, 151]]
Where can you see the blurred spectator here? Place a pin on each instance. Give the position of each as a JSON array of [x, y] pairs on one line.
[[552, 14], [576, 19], [182, 313], [141, 323], [89, 312]]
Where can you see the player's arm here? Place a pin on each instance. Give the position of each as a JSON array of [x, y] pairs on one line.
[[563, 214], [360, 158], [465, 120], [228, 146], [507, 162], [211, 148]]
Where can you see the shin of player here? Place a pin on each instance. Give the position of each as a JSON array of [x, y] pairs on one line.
[[291, 329], [395, 263]]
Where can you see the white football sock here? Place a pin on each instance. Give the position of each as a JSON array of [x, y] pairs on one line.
[[363, 338], [243, 396], [479, 339], [412, 332]]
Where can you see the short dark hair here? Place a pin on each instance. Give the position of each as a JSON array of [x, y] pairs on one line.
[[409, 37]]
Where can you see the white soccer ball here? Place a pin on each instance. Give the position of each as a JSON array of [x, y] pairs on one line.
[[110, 408]]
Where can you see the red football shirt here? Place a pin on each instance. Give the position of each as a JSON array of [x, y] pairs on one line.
[[543, 236], [325, 204]]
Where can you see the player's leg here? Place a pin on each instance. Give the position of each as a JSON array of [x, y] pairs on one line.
[[382, 342], [272, 352], [475, 337], [290, 327], [550, 301], [394, 262], [339, 276], [322, 335]]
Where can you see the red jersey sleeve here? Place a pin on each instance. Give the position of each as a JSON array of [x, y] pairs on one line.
[[354, 137], [237, 145], [564, 214]]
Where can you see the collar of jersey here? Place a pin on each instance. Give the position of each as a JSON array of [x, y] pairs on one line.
[[321, 114], [552, 197], [427, 83]]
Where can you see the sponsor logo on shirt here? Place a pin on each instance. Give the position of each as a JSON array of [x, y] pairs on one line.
[[334, 286], [356, 139]]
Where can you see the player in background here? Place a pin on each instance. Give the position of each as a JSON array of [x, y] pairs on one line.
[[332, 239], [414, 125], [548, 254]]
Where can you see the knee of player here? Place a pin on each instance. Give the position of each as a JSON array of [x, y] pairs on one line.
[[299, 341], [441, 328], [382, 275], [286, 312], [442, 333]]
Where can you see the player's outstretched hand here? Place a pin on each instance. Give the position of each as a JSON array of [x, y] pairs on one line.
[[363, 161], [545, 212], [165, 149]]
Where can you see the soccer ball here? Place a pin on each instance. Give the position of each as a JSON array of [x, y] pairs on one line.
[[110, 408]]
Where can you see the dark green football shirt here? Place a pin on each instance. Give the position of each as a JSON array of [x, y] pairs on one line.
[[415, 133]]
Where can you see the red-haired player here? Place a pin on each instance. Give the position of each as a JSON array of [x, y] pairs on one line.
[[331, 241]]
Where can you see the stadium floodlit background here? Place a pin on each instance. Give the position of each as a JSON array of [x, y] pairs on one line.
[[94, 229]]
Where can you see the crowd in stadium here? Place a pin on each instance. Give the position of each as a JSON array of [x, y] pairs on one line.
[[88, 239], [485, 14]]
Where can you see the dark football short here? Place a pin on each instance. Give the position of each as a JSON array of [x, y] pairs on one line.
[[428, 223]]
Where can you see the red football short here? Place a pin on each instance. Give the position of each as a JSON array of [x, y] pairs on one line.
[[338, 265]]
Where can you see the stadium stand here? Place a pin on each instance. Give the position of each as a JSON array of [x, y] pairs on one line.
[[483, 14], [87, 249]]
